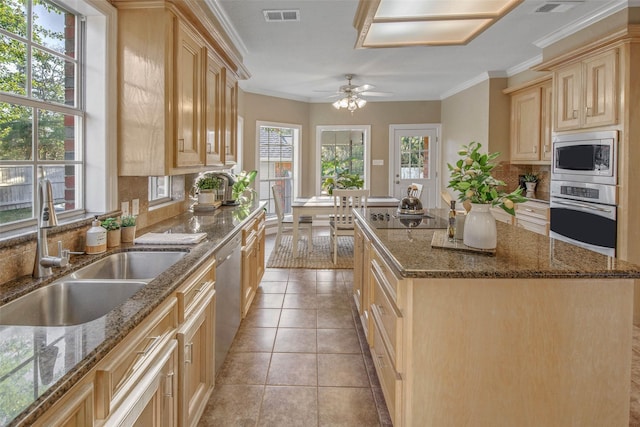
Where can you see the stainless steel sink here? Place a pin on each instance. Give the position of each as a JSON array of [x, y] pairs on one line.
[[68, 302], [138, 265]]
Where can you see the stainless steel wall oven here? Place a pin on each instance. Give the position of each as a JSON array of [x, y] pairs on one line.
[[584, 190]]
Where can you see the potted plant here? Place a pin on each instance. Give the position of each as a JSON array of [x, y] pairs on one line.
[[113, 231], [128, 224], [530, 181], [471, 177], [207, 186], [344, 179]]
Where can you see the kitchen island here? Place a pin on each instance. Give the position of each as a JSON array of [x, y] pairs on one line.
[[539, 334], [41, 367]]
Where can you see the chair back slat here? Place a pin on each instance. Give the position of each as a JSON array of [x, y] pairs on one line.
[[277, 201], [343, 203]]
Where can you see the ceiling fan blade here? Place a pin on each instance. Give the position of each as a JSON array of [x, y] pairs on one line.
[[369, 93], [363, 88]]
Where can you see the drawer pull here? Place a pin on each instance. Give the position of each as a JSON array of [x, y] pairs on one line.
[[149, 347], [529, 210], [190, 347], [381, 309], [381, 361], [169, 384]]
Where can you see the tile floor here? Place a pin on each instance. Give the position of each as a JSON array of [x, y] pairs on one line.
[[299, 358]]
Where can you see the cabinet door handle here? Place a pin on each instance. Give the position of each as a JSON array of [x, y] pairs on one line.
[[588, 111], [575, 114], [535, 149], [181, 144], [190, 347], [169, 384], [381, 361], [149, 347], [381, 310]]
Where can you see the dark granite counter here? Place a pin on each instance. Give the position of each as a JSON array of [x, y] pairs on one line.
[[519, 254], [39, 364]]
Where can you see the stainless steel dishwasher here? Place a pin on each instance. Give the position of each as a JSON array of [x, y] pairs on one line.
[[228, 265]]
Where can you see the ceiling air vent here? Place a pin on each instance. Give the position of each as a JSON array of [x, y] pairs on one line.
[[557, 6], [288, 15]]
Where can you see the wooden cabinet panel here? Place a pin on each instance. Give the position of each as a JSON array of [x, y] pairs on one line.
[[389, 319], [531, 124], [390, 379], [188, 147], [230, 120], [533, 216], [213, 113], [196, 360], [196, 286], [586, 92], [75, 409]]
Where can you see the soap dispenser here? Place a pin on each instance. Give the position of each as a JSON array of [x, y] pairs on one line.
[[96, 240]]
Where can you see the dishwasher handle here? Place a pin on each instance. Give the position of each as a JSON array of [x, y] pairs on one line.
[[228, 249]]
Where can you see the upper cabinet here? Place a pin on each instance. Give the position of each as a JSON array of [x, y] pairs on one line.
[[586, 92], [178, 91], [531, 108]]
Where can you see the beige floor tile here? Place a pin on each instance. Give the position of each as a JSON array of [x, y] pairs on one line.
[[296, 340], [335, 318], [329, 288], [342, 370], [300, 287], [334, 301], [262, 318], [300, 301], [289, 406], [272, 287], [344, 406], [302, 275], [233, 405], [329, 276], [293, 369], [276, 275], [268, 301], [298, 318], [338, 341], [254, 339], [244, 368]]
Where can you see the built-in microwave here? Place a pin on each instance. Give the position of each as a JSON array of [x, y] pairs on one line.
[[585, 157]]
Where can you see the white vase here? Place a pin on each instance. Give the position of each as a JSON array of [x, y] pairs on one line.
[[206, 197], [480, 228], [531, 186]]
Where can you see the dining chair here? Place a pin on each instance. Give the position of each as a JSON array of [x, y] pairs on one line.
[[341, 223], [285, 222]]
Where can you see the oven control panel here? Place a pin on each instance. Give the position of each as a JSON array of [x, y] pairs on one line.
[[586, 193]]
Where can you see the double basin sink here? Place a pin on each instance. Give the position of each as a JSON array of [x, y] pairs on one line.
[[90, 292]]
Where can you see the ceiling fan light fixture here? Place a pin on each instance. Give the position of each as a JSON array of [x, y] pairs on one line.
[[336, 104], [361, 102]]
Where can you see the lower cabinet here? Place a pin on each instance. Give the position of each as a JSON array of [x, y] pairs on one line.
[[253, 260], [74, 409], [533, 216]]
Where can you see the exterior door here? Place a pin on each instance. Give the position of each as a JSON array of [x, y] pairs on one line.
[[414, 159]]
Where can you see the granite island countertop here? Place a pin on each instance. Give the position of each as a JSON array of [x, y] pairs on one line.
[[519, 253], [39, 364]]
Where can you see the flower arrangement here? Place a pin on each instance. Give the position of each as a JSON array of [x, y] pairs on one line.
[[471, 176], [128, 221]]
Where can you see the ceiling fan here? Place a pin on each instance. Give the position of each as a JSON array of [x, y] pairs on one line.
[[351, 96]]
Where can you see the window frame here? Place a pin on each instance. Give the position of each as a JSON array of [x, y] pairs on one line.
[[366, 141]]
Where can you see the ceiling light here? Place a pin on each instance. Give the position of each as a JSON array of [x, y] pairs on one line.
[[389, 23], [351, 102]]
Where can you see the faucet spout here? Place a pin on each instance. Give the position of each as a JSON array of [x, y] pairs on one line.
[[46, 219]]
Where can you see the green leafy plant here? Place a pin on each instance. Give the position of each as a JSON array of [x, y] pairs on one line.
[[128, 221], [471, 177], [208, 181], [344, 179], [110, 224], [530, 177], [243, 181]]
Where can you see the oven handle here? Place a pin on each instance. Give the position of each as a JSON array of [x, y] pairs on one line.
[[582, 205]]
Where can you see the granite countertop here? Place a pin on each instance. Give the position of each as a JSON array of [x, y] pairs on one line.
[[519, 254], [39, 364]]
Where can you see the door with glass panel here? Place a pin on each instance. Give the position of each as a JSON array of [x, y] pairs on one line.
[[413, 161]]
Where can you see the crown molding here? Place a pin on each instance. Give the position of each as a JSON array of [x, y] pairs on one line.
[[472, 82], [227, 26]]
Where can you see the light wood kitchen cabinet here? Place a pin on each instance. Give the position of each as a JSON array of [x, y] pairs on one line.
[[178, 96], [260, 246], [230, 119], [586, 92], [361, 285], [153, 401], [213, 113], [189, 148], [249, 264], [533, 216], [531, 112], [500, 215], [75, 409]]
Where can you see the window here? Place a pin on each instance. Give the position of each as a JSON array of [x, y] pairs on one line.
[[41, 115], [343, 154], [159, 188], [278, 147]]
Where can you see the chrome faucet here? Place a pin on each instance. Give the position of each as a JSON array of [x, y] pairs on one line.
[[47, 219]]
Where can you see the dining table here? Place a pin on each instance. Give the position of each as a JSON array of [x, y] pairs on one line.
[[323, 205]]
